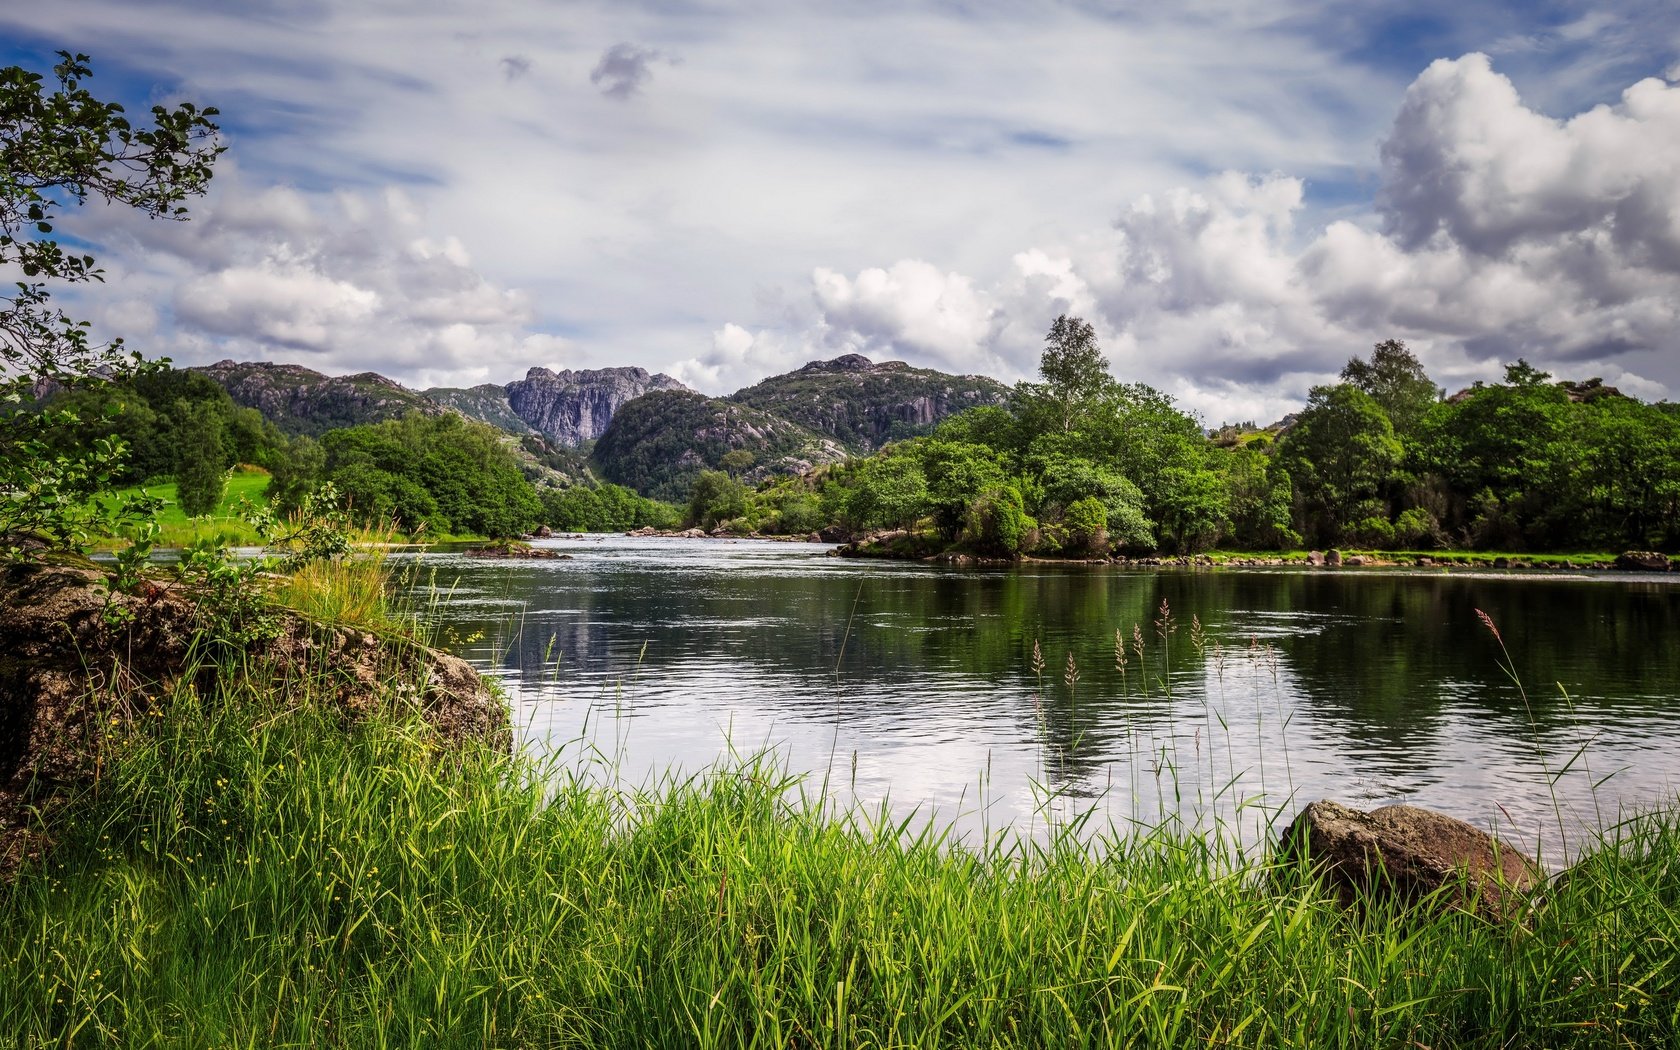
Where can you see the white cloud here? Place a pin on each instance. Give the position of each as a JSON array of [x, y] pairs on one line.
[[950, 173], [1501, 232], [910, 310]]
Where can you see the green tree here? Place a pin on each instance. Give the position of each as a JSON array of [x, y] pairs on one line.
[[201, 460], [737, 461], [889, 490], [1340, 453], [1086, 522], [714, 498], [1075, 375], [1395, 379], [956, 474], [59, 145]]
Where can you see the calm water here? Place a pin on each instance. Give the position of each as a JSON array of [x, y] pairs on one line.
[[914, 685]]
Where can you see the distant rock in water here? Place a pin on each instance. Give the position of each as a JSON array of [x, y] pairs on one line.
[[571, 407]]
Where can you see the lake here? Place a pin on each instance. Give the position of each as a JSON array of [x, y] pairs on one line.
[[1243, 695]]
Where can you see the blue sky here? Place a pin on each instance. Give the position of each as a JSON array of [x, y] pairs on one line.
[[1239, 196]]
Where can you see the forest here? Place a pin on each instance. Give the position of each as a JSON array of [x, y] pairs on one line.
[[1076, 464]]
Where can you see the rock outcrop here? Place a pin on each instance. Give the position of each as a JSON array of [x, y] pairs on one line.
[[1410, 853], [573, 407], [863, 404], [1643, 561], [301, 400], [80, 663]]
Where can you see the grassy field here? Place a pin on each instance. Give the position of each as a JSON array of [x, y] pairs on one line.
[[249, 483], [250, 871]]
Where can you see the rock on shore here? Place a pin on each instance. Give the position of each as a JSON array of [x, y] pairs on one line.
[[1409, 853]]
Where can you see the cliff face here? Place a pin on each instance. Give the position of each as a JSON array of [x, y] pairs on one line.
[[659, 443], [300, 400], [863, 404], [571, 407]]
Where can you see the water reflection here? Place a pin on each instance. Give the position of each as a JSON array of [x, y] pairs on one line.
[[1235, 696]]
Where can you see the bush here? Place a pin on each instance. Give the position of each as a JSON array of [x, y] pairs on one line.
[[1086, 522]]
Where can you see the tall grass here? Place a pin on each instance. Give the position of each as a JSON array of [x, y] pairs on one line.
[[250, 872]]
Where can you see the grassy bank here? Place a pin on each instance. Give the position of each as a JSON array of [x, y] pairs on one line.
[[248, 872], [179, 530]]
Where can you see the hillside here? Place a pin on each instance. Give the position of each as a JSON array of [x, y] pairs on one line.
[[301, 400], [487, 403], [863, 404], [657, 443]]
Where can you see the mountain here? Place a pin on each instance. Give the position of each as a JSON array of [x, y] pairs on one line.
[[574, 407], [863, 405], [301, 400], [657, 443], [487, 403]]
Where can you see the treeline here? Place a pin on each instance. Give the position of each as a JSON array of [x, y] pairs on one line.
[[446, 474], [1077, 464], [423, 474], [1081, 464], [177, 426]]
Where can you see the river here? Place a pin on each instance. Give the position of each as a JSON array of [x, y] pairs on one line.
[[1243, 695]]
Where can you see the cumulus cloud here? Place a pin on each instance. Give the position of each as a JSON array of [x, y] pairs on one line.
[[910, 308], [343, 282], [1498, 232], [738, 358], [624, 69]]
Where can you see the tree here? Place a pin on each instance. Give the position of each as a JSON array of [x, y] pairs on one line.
[[202, 461], [1395, 379], [60, 145], [715, 498], [1339, 453], [1075, 377], [737, 461]]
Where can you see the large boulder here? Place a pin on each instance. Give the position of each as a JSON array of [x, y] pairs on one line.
[[1409, 853], [1642, 561]]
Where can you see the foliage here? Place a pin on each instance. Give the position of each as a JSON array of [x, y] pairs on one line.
[[887, 491], [438, 473], [999, 523], [603, 508], [62, 146], [715, 498], [1396, 381], [201, 458], [1339, 453]]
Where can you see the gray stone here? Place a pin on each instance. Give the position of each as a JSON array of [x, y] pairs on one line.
[[1642, 561], [1409, 853]]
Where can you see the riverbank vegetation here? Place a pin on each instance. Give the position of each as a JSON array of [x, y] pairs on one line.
[[1082, 464]]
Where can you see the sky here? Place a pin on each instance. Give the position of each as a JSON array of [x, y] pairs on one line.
[[1239, 196]]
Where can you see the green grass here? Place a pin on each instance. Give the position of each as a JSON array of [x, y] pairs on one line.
[[251, 872], [178, 530]]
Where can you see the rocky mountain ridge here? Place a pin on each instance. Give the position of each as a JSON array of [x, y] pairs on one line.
[[863, 404], [816, 414]]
